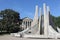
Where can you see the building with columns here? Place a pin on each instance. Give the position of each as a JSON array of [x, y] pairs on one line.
[[26, 22]]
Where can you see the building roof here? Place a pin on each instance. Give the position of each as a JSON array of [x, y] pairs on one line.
[[27, 17]]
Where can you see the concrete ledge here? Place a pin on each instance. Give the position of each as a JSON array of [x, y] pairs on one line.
[[38, 36]]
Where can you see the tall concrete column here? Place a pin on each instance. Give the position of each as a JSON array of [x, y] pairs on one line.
[[45, 20], [48, 10], [35, 20], [40, 20]]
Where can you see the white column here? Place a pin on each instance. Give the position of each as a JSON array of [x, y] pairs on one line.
[[40, 20], [35, 20], [45, 19], [48, 10]]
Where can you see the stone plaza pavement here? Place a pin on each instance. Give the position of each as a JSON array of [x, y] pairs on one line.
[[9, 37]]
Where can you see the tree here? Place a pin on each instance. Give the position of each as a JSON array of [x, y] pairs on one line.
[[10, 21], [56, 20]]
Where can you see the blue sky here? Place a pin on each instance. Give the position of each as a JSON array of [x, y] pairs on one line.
[[26, 8]]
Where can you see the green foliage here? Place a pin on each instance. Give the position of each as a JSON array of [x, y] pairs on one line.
[[56, 20], [10, 21]]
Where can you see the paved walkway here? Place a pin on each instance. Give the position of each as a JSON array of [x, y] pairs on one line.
[[9, 37]]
